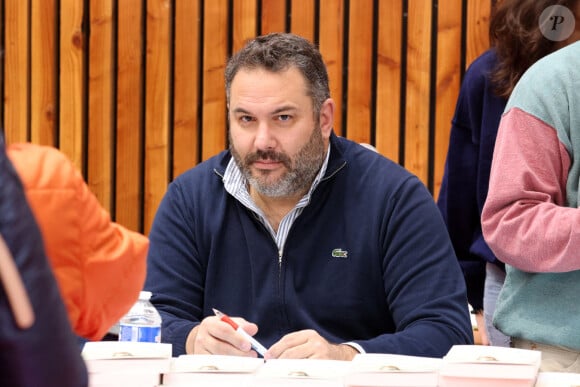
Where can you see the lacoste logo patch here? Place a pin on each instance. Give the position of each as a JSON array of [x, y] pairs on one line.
[[339, 253]]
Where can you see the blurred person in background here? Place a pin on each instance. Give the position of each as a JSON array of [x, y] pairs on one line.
[[37, 345], [531, 216], [517, 42], [99, 265]]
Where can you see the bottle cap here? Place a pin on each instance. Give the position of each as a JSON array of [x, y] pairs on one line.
[[144, 295]]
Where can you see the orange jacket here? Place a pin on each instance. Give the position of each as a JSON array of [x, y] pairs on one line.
[[99, 265]]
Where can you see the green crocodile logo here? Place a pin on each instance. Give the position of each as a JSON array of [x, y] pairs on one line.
[[339, 253]]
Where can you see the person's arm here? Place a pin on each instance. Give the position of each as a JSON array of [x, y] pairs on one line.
[[423, 283], [525, 219], [114, 266], [99, 265]]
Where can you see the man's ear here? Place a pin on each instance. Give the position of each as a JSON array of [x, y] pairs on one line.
[[327, 117]]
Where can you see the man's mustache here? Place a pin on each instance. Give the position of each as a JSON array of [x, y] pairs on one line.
[[267, 155]]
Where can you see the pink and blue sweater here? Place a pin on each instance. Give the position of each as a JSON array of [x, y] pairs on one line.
[[531, 218]]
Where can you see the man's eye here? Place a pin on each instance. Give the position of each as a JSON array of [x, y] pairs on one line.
[[284, 117], [245, 118]]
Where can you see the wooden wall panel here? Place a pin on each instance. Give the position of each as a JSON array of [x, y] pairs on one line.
[[100, 103], [388, 87], [156, 106], [360, 32], [302, 21], [417, 103], [129, 133], [245, 20], [186, 80], [43, 71], [331, 41], [273, 16], [16, 82], [71, 77], [132, 90], [215, 53], [2, 39], [477, 40], [447, 82]]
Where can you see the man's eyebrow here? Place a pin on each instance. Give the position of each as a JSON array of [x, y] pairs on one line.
[[284, 109], [240, 110], [281, 109]]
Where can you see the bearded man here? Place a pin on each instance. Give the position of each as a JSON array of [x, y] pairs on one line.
[[318, 246]]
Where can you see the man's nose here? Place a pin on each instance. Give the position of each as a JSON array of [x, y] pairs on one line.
[[265, 137]]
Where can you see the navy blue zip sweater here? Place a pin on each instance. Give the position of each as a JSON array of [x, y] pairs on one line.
[[368, 260], [466, 178]]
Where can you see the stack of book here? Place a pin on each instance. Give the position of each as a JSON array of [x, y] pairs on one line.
[[484, 366], [211, 371], [127, 364], [385, 370], [557, 379], [234, 371], [301, 372]]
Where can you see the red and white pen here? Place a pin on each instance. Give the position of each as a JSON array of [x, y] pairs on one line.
[[256, 346]]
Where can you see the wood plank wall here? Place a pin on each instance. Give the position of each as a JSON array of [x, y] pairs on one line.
[[132, 90]]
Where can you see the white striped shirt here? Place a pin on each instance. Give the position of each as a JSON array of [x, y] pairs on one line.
[[236, 184]]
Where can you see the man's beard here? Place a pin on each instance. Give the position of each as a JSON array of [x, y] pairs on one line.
[[300, 172]]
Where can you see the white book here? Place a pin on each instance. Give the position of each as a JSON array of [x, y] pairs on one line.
[[387, 370], [126, 364], [483, 365], [301, 372], [211, 371], [557, 379]]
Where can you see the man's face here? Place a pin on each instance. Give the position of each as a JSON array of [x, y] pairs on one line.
[[274, 137]]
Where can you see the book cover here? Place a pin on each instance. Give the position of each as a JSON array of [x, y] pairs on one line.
[[558, 379], [211, 371], [479, 365], [301, 372], [387, 370], [127, 364]]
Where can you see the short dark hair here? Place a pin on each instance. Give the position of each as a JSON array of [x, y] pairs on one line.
[[278, 52]]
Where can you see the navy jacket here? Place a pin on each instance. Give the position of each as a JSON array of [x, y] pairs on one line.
[[368, 260], [466, 178]]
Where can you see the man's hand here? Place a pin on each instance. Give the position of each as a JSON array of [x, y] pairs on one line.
[[213, 336], [308, 344]]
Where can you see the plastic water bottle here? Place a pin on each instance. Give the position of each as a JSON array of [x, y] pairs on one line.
[[142, 322]]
